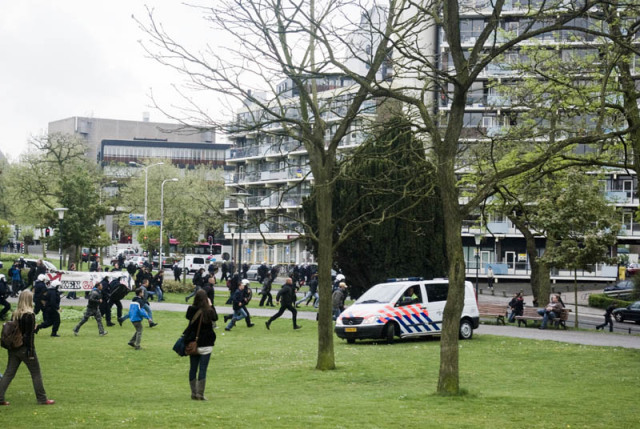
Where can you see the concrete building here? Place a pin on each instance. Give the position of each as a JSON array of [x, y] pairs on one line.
[[95, 130]]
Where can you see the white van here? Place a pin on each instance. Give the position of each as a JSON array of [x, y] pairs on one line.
[[193, 263], [410, 307]]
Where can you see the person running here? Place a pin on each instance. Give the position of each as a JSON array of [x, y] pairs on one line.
[[136, 314], [51, 309], [286, 297], [5, 291], [93, 310], [26, 319], [607, 318], [266, 292]]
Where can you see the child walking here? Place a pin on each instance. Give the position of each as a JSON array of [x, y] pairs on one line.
[[136, 314]]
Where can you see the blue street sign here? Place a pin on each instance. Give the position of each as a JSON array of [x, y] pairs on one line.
[[134, 216], [136, 223], [152, 223]]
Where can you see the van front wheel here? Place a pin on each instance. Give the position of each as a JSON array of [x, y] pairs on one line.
[[466, 330], [389, 332]]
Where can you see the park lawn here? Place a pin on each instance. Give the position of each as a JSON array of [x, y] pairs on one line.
[[266, 379]]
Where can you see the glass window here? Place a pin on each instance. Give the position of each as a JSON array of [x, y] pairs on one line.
[[437, 292]]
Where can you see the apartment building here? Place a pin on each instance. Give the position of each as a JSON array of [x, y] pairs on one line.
[[490, 112]]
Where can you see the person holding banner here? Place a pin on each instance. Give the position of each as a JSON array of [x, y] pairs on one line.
[[72, 295]]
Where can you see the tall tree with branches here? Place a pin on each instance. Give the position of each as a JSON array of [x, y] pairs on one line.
[[427, 78], [299, 43]]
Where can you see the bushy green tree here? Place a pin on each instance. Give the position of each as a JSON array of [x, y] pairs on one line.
[[198, 194], [56, 173], [407, 242]]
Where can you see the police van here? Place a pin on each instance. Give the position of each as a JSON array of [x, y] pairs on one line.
[[409, 307]]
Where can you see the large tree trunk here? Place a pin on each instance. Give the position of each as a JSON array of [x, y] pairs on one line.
[[324, 207], [540, 276], [448, 382]]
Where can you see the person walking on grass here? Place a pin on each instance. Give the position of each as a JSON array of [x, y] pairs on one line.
[[26, 319], [93, 310], [286, 297], [201, 316], [136, 314]]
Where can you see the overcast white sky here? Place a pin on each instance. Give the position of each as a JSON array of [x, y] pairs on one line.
[[63, 58]]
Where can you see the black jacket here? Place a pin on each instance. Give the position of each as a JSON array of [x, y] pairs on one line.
[[286, 295], [207, 336]]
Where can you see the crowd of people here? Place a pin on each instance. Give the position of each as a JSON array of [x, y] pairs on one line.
[[43, 295]]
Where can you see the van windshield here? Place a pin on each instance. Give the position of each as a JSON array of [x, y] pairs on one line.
[[381, 293]]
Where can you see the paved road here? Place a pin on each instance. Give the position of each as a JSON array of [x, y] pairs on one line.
[[591, 337]]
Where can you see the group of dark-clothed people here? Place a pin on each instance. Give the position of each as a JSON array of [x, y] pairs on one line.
[[201, 316]]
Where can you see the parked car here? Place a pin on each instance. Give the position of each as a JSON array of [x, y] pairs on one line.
[[633, 269], [630, 313], [410, 307], [621, 285], [252, 274], [167, 261], [138, 261], [193, 263]]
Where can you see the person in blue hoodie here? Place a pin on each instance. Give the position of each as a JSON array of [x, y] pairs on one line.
[[136, 314]]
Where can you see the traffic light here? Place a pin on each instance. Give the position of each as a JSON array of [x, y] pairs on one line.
[[47, 232]]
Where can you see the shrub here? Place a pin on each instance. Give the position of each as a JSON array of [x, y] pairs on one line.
[[601, 300], [173, 286]]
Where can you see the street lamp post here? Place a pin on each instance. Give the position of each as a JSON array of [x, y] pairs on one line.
[[478, 240], [175, 179], [146, 183], [60, 211], [239, 214], [232, 229]]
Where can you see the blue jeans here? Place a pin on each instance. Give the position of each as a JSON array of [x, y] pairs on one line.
[[198, 362], [158, 293], [237, 315], [546, 316]]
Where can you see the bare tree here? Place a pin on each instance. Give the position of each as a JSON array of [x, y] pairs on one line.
[[328, 53], [437, 65]]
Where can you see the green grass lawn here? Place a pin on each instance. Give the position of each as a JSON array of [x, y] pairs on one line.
[[266, 379]]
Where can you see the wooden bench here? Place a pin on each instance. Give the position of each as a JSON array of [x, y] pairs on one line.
[[499, 311], [531, 313]]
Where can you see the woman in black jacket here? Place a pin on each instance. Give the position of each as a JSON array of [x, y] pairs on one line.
[[26, 319], [200, 312]]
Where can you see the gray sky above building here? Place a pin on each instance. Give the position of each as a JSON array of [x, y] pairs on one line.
[[83, 58]]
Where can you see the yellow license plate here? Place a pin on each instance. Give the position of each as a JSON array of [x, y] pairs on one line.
[[350, 329]]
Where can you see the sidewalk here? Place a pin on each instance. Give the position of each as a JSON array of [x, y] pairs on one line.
[[592, 338]]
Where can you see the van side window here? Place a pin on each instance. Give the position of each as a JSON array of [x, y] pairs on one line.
[[411, 295], [437, 292]]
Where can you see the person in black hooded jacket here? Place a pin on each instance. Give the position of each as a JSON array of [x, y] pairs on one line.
[[286, 297], [51, 310]]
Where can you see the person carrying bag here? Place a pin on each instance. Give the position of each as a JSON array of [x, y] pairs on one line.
[[200, 336]]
